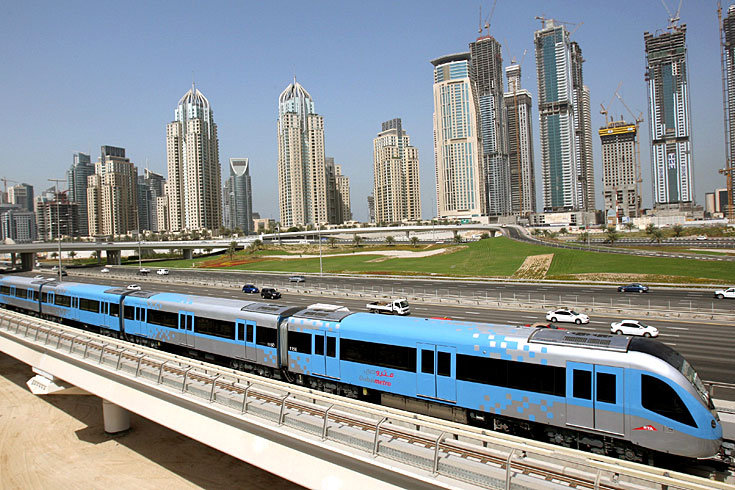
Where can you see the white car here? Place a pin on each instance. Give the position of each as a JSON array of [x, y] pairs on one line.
[[144, 270], [105, 270], [162, 272], [568, 316], [702, 237], [633, 327], [725, 293], [133, 287]]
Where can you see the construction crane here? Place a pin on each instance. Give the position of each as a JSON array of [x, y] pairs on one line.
[[576, 25], [638, 120], [673, 18], [5, 182], [604, 109], [486, 24]]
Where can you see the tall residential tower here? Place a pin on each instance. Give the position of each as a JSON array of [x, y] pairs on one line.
[[302, 184], [728, 34], [395, 175], [620, 169], [76, 179], [194, 173], [486, 73], [112, 194], [460, 175], [239, 196], [520, 144], [669, 118]]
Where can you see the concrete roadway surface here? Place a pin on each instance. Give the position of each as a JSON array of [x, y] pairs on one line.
[[681, 299], [708, 346]]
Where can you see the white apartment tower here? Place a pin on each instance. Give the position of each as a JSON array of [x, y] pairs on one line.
[[460, 175], [112, 194], [302, 181], [193, 189], [520, 144], [396, 175]]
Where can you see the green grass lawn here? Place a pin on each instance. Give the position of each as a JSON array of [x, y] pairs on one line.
[[499, 257]]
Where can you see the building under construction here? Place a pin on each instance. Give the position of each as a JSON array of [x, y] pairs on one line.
[[520, 144], [728, 61], [669, 119], [619, 169]]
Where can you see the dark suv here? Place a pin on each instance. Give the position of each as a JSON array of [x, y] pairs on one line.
[[269, 293]]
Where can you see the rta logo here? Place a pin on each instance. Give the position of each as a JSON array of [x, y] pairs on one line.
[[646, 427]]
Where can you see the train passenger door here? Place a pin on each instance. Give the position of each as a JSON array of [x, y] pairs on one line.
[[319, 361], [331, 358], [436, 375], [186, 328], [595, 397], [609, 411], [245, 335]]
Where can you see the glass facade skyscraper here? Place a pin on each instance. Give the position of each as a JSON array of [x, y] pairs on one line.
[[76, 178], [460, 177], [239, 198]]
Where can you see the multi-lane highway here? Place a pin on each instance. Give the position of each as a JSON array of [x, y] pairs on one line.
[[708, 345]]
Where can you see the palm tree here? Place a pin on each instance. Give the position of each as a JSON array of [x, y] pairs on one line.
[[677, 229], [72, 254], [390, 240], [650, 229], [54, 255], [583, 237], [415, 241], [457, 238], [657, 235], [629, 225], [331, 241], [231, 249], [563, 231], [256, 245], [356, 239], [611, 235]]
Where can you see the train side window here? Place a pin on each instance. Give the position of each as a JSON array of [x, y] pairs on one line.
[[129, 312], [606, 388], [660, 398], [249, 334], [582, 384], [265, 336], [319, 345], [114, 309], [427, 361], [241, 333], [444, 364], [299, 342], [376, 354], [331, 347], [5, 290]]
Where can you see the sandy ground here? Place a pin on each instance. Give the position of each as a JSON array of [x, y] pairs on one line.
[[386, 253], [58, 441]]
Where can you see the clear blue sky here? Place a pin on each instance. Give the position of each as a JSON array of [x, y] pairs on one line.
[[78, 75]]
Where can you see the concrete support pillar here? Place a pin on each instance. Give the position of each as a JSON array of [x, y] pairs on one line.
[[188, 253], [12, 259], [116, 418], [99, 256], [27, 260], [113, 257]]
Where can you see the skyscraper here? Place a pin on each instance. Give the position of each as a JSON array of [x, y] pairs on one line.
[[56, 216], [395, 175], [302, 185], [559, 74], [669, 120], [728, 31], [582, 131], [460, 176], [76, 179], [22, 195], [520, 144], [620, 168], [342, 185], [112, 194], [194, 174], [486, 73], [239, 198]]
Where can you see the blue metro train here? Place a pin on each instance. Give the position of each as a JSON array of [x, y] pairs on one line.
[[616, 395]]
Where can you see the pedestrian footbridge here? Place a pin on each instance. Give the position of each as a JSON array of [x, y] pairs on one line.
[[314, 439]]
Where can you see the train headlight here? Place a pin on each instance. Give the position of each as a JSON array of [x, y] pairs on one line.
[[713, 423]]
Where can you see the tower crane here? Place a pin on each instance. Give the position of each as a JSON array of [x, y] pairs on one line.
[[604, 109], [5, 182], [486, 24], [673, 18], [576, 25]]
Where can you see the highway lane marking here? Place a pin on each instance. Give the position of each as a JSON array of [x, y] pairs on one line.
[[678, 328], [669, 335]]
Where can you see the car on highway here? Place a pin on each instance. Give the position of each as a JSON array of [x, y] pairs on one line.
[[104, 270], [250, 288], [725, 293], [162, 272], [701, 237], [633, 288], [133, 287], [144, 271], [269, 293], [567, 316], [633, 327], [297, 279]]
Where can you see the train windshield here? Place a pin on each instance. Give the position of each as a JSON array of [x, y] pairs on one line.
[[666, 353]]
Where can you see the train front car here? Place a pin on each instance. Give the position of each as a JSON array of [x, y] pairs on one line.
[[670, 410]]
